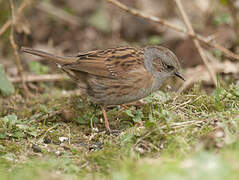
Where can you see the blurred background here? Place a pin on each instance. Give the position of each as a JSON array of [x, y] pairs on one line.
[[69, 27]]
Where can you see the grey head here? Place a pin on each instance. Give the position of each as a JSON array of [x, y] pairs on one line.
[[162, 63]]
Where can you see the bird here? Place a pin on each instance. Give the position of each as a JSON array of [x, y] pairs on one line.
[[119, 75]]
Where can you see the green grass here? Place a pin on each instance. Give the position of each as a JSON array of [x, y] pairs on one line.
[[191, 136]]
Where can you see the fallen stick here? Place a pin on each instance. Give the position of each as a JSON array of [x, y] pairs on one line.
[[39, 78]]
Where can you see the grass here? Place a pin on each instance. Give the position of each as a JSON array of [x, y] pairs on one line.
[[191, 136]]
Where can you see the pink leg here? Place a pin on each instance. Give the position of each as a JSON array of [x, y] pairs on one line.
[[105, 117]]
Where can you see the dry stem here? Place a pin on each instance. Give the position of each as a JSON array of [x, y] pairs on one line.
[[15, 48], [39, 78]]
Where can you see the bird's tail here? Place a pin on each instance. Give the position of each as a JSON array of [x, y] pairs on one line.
[[57, 59]]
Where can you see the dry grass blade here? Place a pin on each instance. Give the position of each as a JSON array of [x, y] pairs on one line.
[[173, 126], [15, 48]]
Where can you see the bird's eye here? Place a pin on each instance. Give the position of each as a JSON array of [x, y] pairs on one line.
[[169, 67]]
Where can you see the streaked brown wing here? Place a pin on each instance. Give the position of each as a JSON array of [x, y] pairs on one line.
[[110, 63]]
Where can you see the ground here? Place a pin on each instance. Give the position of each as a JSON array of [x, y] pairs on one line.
[[169, 136]]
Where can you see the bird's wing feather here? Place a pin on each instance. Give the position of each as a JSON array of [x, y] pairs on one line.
[[112, 63]]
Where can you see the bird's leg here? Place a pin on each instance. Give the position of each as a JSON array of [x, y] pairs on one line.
[[105, 117]]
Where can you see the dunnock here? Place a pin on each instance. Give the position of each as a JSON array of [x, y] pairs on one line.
[[118, 75]]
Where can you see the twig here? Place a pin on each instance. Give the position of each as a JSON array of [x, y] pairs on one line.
[[39, 78], [14, 46], [10, 21], [176, 28], [196, 42]]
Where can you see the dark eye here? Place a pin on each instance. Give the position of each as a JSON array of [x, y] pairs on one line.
[[169, 67]]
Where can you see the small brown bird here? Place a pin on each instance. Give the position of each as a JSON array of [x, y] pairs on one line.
[[118, 75]]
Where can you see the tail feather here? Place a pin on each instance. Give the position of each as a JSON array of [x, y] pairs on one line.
[[57, 59]]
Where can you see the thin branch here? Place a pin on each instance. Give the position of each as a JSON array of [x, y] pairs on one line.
[[5, 27], [39, 78], [10, 21], [15, 48], [196, 42], [145, 16], [176, 28]]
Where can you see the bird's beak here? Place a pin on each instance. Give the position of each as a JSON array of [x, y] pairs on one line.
[[179, 75]]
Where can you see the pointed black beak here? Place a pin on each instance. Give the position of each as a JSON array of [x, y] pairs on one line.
[[179, 75]]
